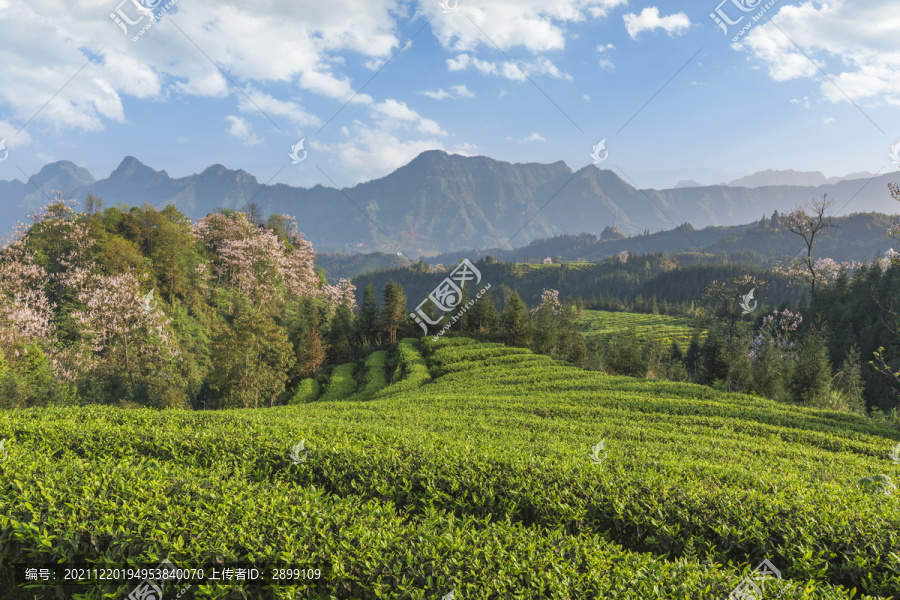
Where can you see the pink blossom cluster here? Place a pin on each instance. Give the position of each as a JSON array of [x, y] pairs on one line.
[[776, 331], [827, 269], [344, 293], [254, 260], [115, 313], [550, 298]]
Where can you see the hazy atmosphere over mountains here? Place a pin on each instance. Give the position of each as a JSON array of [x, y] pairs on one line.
[[444, 202]]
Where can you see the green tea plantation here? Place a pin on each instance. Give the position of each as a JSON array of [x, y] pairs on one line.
[[465, 471], [664, 329]]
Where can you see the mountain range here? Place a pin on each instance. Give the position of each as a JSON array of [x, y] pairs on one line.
[[440, 202]]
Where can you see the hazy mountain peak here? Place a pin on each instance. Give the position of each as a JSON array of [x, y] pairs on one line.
[[63, 173], [131, 167], [773, 177], [687, 183]]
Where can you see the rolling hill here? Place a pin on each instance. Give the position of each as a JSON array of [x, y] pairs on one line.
[[475, 473]]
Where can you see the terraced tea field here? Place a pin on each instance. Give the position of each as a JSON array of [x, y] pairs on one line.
[[663, 328], [471, 471]]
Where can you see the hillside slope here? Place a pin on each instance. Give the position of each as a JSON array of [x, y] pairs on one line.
[[476, 479]]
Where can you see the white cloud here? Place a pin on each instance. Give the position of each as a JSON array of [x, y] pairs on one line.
[[242, 130], [535, 137], [650, 20], [586, 98], [465, 149], [462, 91], [804, 102], [507, 69], [47, 42], [271, 106], [371, 152], [536, 25], [458, 91], [603, 62], [438, 95], [827, 120], [397, 111], [854, 42], [14, 140]]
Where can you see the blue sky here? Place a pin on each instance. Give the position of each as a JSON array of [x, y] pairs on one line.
[[811, 86]]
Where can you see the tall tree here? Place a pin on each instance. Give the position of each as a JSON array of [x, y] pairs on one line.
[[304, 325], [393, 310], [484, 316], [851, 381], [515, 322], [367, 330], [340, 335], [809, 221], [811, 381], [726, 298], [251, 362]]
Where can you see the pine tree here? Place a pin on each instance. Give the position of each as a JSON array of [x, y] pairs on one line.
[[367, 330], [483, 316], [811, 382], [340, 334], [393, 311], [309, 350], [311, 355], [515, 322], [692, 360], [851, 380], [464, 323], [489, 321]]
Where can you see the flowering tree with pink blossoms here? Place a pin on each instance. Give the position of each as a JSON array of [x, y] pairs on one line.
[[254, 261], [809, 221], [120, 325], [25, 310], [342, 294]]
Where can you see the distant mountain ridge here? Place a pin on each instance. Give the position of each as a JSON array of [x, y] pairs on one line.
[[440, 202], [770, 177]]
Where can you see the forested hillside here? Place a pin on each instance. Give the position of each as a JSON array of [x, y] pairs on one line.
[[856, 237]]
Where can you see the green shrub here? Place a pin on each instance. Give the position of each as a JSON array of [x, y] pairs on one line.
[[341, 385], [306, 391]]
